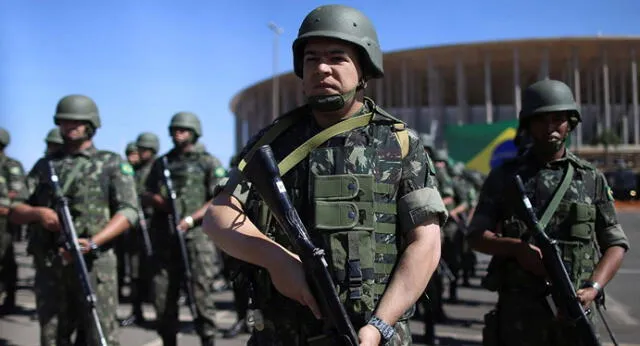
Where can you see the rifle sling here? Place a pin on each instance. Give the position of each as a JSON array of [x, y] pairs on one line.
[[557, 197], [72, 176]]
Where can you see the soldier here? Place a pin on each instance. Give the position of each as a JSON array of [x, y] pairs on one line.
[[147, 145], [195, 175], [12, 181], [335, 54], [54, 141], [131, 151], [468, 197], [583, 221], [86, 173]]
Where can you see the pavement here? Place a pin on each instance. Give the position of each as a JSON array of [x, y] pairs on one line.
[[464, 328]]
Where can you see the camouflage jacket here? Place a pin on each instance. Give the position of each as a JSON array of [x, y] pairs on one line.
[[194, 175], [12, 185], [102, 186], [371, 150], [584, 221], [141, 174]]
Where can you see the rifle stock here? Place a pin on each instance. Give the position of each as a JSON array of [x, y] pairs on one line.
[[146, 240], [70, 239], [562, 290], [174, 221], [263, 173]]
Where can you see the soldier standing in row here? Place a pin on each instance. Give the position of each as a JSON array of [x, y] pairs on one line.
[[195, 175], [54, 141], [584, 223], [102, 201], [147, 145], [336, 54], [12, 181]]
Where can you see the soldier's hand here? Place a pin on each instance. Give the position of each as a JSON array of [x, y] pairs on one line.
[[369, 336], [530, 258], [289, 280], [586, 296], [85, 247], [49, 219]]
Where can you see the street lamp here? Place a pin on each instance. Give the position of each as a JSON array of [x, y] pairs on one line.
[[275, 97]]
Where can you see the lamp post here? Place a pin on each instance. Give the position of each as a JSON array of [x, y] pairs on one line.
[[275, 94]]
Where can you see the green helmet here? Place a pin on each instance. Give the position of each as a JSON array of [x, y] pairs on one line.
[[5, 137], [77, 107], [441, 155], [346, 24], [131, 147], [457, 168], [148, 140], [54, 136], [186, 120], [549, 95]]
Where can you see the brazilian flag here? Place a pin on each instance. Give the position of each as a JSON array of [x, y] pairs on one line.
[[482, 146]]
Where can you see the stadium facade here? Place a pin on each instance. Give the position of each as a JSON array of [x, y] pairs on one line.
[[482, 83]]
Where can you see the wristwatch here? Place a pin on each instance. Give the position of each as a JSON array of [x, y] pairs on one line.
[[189, 221], [595, 286], [385, 329], [94, 249]]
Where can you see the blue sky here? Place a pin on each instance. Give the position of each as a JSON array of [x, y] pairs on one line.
[[144, 60]]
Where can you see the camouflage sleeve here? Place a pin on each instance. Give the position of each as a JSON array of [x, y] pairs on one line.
[[608, 230], [122, 186], [16, 182], [217, 172], [487, 216], [418, 196]]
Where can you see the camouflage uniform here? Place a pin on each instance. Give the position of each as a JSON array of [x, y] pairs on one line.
[[468, 196], [12, 182], [102, 187], [584, 222], [195, 175]]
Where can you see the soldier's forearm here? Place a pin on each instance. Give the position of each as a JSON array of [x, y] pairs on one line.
[[232, 231], [608, 265], [415, 267], [114, 228], [198, 215], [489, 243], [24, 214]]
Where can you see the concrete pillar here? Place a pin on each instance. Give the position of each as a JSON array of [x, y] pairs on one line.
[[544, 65], [517, 92], [577, 93], [598, 99], [432, 90], [589, 113], [634, 98], [606, 95], [461, 91], [379, 86], [624, 105], [488, 103]]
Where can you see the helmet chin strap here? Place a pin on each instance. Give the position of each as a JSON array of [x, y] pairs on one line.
[[332, 103]]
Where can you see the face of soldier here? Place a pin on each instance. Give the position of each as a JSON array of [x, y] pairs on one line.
[[181, 137], [145, 154], [133, 158], [73, 130], [330, 67], [549, 131]]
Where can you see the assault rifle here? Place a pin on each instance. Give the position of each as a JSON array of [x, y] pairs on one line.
[[174, 221], [146, 240], [562, 290], [71, 245], [262, 171]]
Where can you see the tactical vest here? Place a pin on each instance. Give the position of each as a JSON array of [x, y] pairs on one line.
[[189, 175], [352, 197], [573, 226]]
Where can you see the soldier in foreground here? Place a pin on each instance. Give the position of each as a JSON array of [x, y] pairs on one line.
[[85, 174], [382, 267], [584, 222], [194, 176], [12, 181]]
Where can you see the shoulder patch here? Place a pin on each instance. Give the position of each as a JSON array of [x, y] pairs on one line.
[[610, 193], [126, 169], [220, 172]]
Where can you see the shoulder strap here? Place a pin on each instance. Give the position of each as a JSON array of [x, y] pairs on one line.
[[72, 176], [557, 197]]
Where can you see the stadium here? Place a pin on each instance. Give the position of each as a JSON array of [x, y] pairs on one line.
[[481, 83]]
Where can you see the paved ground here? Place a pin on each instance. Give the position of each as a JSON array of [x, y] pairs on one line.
[[623, 309]]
